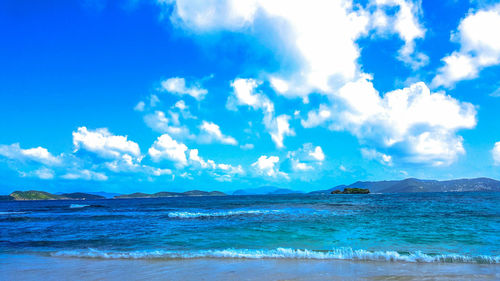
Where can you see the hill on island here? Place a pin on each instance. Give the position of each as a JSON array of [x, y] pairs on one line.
[[82, 196], [171, 194], [417, 185], [42, 195], [34, 195]]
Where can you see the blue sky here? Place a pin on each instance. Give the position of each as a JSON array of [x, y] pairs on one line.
[[126, 96]]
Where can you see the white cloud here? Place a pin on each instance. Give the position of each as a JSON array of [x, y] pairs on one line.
[[85, 175], [479, 38], [343, 168], [36, 154], [278, 128], [317, 117], [318, 38], [322, 53], [417, 125], [317, 153], [496, 153], [317, 43], [105, 144], [41, 173], [177, 85], [269, 166], [372, 154], [139, 106], [160, 123], [183, 109], [221, 172], [406, 24], [244, 95], [306, 158], [197, 161], [160, 172], [247, 146], [210, 132], [45, 173], [167, 148], [299, 166]]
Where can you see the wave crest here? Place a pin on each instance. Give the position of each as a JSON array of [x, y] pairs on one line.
[[189, 215], [78, 206], [286, 253]]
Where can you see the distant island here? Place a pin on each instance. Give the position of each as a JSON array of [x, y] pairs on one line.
[[417, 185], [410, 185], [351, 191], [42, 195], [171, 194]]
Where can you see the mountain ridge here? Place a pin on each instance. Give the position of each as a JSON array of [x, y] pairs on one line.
[[413, 185]]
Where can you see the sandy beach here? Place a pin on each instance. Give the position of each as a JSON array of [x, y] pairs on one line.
[[37, 267]]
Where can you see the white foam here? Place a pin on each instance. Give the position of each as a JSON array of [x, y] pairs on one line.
[[285, 253], [73, 206], [188, 215], [12, 213]]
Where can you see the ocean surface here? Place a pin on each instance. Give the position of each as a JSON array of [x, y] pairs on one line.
[[415, 228]]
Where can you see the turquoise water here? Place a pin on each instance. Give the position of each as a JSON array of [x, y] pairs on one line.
[[427, 227]]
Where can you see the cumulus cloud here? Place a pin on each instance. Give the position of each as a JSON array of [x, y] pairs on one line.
[[269, 166], [140, 106], [414, 124], [319, 37], [244, 94], [85, 174], [496, 153], [479, 38], [36, 154], [122, 154], [322, 53], [167, 148], [221, 172], [306, 158], [372, 154], [43, 173], [104, 144], [247, 146], [159, 122], [405, 22], [210, 132], [317, 117], [177, 85]]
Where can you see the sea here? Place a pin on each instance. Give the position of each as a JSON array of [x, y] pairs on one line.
[[407, 228]]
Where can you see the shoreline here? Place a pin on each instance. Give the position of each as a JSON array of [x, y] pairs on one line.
[[33, 267]]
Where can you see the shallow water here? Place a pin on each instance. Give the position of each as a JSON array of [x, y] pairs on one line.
[[428, 227]]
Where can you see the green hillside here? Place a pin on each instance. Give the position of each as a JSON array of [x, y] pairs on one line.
[[34, 195]]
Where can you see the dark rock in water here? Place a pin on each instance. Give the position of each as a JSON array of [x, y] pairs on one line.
[[352, 191]]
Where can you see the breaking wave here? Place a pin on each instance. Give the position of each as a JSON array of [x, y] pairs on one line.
[[12, 213], [285, 253], [189, 215], [77, 206]]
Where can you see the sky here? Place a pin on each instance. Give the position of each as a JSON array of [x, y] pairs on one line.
[[174, 95]]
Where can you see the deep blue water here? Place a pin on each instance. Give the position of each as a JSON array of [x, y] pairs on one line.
[[425, 227]]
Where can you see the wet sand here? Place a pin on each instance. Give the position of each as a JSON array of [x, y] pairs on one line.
[[34, 267]]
